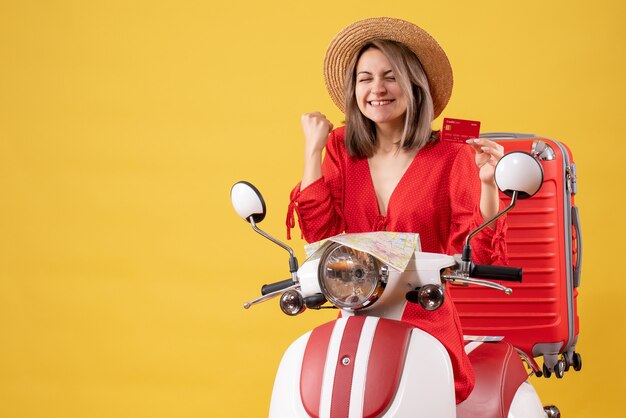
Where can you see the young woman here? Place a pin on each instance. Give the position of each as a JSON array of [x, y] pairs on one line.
[[386, 169]]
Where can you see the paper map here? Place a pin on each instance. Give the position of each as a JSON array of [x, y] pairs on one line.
[[392, 248]]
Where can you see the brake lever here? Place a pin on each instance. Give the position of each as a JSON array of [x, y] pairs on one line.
[[269, 296], [460, 279]]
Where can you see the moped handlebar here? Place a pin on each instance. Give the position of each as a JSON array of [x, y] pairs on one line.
[[275, 287], [509, 274]]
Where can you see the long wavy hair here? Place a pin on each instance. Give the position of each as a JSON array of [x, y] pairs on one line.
[[360, 136]]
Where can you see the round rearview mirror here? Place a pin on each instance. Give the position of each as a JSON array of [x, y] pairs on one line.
[[519, 172], [247, 201]]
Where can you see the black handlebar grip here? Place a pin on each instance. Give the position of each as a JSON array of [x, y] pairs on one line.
[[275, 287], [509, 274]]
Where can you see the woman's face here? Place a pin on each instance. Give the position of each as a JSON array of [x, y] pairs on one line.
[[378, 95]]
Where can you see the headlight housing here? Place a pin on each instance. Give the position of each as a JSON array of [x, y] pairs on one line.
[[351, 279]]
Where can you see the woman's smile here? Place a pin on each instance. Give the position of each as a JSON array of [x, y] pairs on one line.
[[380, 102]]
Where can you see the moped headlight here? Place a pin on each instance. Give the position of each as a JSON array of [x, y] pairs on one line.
[[351, 279]]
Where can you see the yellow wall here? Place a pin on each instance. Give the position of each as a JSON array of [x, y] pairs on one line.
[[123, 125]]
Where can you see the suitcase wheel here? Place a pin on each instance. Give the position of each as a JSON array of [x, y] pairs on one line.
[[578, 361], [567, 362], [559, 369], [572, 359]]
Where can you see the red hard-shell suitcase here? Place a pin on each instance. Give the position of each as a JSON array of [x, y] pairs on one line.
[[540, 316]]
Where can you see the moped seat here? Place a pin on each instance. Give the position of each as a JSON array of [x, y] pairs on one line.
[[499, 373]]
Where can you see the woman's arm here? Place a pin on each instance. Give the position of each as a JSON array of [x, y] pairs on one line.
[[319, 204], [488, 153], [466, 191], [316, 128]]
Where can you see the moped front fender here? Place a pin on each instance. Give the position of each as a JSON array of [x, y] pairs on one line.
[[343, 368]]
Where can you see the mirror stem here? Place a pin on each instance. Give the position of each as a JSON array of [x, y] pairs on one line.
[[293, 261], [466, 257]]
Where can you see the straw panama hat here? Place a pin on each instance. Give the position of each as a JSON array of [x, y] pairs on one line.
[[351, 39]]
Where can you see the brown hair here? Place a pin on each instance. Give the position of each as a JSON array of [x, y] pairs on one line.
[[360, 136]]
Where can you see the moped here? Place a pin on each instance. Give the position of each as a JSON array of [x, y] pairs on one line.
[[367, 363]]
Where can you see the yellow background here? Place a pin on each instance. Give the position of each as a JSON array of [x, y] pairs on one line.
[[123, 125]]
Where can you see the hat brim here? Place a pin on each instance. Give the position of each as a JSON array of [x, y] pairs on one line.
[[350, 40]]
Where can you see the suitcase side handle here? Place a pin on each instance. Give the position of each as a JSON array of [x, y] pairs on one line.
[[506, 135], [579, 245]]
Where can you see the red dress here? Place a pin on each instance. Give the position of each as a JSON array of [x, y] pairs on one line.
[[437, 197]]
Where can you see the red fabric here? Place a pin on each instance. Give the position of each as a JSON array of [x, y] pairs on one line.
[[438, 197]]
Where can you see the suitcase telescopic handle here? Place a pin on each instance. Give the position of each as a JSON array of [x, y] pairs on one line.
[[506, 135], [509, 274]]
